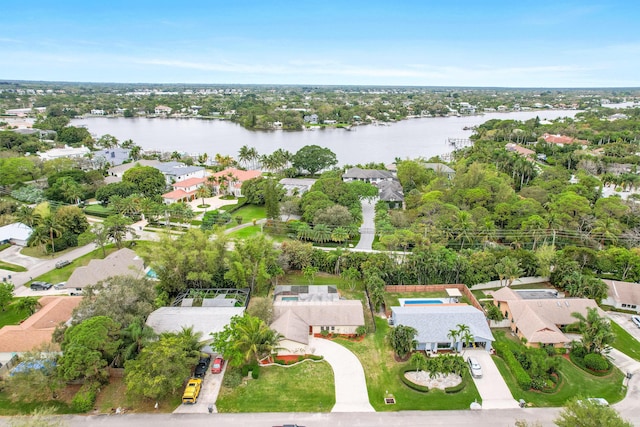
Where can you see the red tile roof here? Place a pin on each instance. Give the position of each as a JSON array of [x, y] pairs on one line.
[[560, 139], [189, 182], [240, 175], [38, 329], [176, 195]]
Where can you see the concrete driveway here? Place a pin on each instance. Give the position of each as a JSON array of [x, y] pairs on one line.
[[351, 387], [624, 320], [492, 388], [368, 228], [208, 394]]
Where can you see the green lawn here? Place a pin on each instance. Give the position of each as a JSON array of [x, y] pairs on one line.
[[8, 407], [11, 267], [307, 387], [12, 316], [248, 214], [383, 378], [625, 342], [114, 395], [574, 382], [246, 232]]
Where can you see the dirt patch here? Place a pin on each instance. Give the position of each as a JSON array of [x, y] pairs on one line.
[[67, 393], [440, 381]]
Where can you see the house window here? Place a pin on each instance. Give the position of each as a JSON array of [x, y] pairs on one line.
[[633, 306], [333, 328], [624, 305]]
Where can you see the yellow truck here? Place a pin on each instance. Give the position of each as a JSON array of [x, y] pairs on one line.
[[192, 391]]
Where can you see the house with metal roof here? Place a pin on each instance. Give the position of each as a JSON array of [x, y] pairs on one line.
[[434, 323], [16, 234]]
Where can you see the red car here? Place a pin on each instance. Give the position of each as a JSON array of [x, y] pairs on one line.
[[217, 365]]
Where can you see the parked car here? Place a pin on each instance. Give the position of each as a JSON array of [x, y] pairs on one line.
[[636, 319], [192, 391], [218, 364], [474, 366], [40, 286], [59, 286], [201, 367], [62, 263]]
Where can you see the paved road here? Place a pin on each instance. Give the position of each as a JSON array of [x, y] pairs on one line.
[[350, 384], [502, 418], [367, 230], [492, 388]]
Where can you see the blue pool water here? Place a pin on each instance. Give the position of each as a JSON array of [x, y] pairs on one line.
[[289, 298], [422, 301]]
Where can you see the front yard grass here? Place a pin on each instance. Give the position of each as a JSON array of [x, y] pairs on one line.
[[625, 342], [114, 395], [574, 382], [13, 316], [11, 267], [306, 387], [382, 373], [248, 214], [9, 407]]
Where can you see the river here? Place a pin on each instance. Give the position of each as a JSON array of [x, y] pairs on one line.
[[411, 138]]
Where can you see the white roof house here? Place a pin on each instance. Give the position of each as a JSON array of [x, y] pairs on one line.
[[16, 233], [70, 152], [434, 323]]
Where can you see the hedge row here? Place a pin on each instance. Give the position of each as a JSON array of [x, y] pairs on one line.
[[522, 377], [411, 384], [85, 398], [458, 388]]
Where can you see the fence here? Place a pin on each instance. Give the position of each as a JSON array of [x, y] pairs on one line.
[[434, 288]]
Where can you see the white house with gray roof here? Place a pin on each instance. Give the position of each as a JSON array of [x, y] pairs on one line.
[[434, 323]]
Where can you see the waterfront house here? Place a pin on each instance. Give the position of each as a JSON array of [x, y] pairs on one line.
[[230, 180], [183, 191]]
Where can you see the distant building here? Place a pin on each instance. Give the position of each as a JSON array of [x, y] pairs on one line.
[[622, 295], [16, 234], [69, 152], [562, 140], [163, 110], [97, 112], [312, 119], [371, 176], [297, 186], [233, 179], [441, 168], [111, 156], [521, 151]]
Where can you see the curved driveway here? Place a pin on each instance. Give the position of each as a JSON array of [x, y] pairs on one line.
[[351, 387]]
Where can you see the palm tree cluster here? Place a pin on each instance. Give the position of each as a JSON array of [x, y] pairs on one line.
[[444, 364], [322, 233]]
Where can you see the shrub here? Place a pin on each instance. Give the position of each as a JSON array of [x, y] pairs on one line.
[[28, 194], [411, 384], [596, 362], [245, 370], [232, 378], [85, 398], [458, 388], [522, 377], [255, 372]]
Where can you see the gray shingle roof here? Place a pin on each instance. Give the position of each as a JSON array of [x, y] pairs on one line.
[[390, 191], [357, 173], [434, 323]]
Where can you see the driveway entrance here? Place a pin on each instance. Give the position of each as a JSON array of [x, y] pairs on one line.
[[350, 384], [492, 388]]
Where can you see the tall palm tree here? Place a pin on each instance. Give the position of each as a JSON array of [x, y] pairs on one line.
[[454, 334], [203, 192], [134, 338], [244, 155], [53, 229]]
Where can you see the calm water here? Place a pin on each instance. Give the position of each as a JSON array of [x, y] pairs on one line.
[[407, 139]]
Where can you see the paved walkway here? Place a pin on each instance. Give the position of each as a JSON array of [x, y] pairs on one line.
[[350, 383], [492, 388], [368, 228]]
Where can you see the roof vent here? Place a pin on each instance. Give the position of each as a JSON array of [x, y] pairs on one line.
[[566, 303]]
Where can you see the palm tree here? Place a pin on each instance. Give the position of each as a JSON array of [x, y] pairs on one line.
[[203, 192], [53, 229], [465, 334], [321, 233], [339, 235], [134, 338], [596, 331], [26, 215], [303, 231], [28, 304], [135, 153], [244, 155], [454, 334], [419, 360], [255, 339]]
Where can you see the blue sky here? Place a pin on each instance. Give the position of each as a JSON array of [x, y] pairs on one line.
[[421, 43]]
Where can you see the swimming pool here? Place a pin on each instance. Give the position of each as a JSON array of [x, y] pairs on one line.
[[289, 298], [420, 301]]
